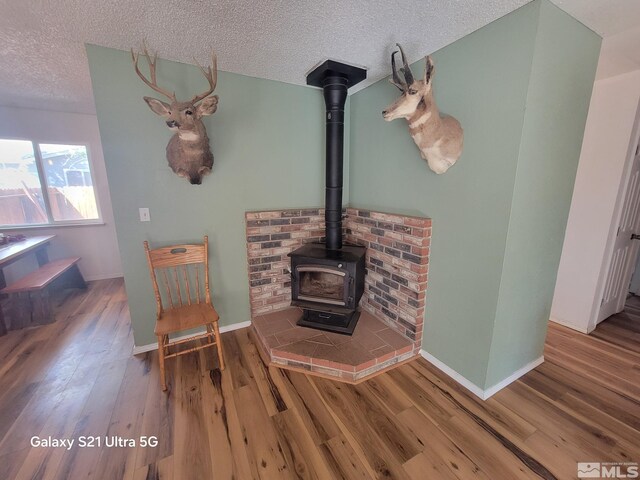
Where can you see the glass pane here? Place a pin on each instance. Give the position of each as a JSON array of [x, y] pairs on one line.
[[21, 200], [71, 194], [322, 284]]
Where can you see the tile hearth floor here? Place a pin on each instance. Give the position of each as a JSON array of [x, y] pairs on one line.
[[372, 347]]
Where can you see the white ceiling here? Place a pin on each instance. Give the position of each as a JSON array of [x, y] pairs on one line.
[[620, 54], [43, 60]]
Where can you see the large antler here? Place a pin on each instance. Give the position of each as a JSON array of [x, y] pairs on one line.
[[396, 80], [408, 76], [211, 74], [152, 69]]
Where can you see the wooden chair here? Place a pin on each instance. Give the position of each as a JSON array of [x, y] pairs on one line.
[[178, 268]]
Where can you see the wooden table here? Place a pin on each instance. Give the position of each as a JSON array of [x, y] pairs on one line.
[[14, 251]]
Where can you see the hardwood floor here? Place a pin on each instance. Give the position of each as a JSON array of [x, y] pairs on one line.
[[77, 378]]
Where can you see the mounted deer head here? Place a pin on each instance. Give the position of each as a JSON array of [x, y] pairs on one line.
[[188, 151], [439, 137]]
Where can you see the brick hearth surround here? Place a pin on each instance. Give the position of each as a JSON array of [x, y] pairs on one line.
[[397, 261]]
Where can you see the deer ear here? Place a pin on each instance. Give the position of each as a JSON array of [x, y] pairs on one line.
[[158, 107], [428, 69], [208, 106]]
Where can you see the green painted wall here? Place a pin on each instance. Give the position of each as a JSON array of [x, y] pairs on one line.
[[520, 87], [564, 65], [268, 142], [489, 80], [482, 80]]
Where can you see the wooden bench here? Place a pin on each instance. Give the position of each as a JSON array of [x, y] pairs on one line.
[[29, 296]]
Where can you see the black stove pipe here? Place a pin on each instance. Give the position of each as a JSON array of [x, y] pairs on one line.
[[334, 78], [335, 95]]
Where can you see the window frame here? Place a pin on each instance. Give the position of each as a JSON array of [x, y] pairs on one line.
[[44, 185]]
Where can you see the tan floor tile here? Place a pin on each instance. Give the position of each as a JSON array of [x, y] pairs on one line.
[[295, 334], [394, 339], [372, 343], [271, 341], [304, 348], [275, 322], [346, 353], [370, 322], [322, 339], [368, 340], [338, 338]]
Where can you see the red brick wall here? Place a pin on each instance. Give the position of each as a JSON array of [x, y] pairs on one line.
[[397, 260], [270, 237], [397, 266]]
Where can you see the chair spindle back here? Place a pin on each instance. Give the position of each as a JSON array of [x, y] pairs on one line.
[[179, 268]]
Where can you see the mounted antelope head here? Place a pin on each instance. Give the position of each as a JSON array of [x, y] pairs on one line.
[[438, 136], [188, 151]]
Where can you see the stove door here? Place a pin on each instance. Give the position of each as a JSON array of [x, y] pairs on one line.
[[322, 284]]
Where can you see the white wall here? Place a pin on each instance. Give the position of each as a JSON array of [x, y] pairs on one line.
[[96, 244], [602, 161]]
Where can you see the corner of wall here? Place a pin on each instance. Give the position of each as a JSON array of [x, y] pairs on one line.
[[553, 127], [383, 154], [251, 154]]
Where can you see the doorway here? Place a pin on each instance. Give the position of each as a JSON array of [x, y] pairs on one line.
[[622, 257]]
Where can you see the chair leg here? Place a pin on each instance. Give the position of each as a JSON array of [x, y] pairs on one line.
[[163, 382], [219, 345]]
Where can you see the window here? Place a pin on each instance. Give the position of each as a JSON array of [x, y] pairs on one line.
[[42, 183]]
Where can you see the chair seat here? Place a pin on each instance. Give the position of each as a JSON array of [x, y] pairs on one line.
[[185, 318]]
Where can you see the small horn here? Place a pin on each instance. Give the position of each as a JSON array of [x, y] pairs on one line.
[[397, 81], [428, 68], [408, 76]]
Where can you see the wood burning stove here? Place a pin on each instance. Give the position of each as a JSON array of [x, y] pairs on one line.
[[327, 281], [328, 285]]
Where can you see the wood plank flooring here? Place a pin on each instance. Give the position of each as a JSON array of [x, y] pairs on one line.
[[77, 377]]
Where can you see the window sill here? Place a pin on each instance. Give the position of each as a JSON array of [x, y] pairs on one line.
[[11, 228]]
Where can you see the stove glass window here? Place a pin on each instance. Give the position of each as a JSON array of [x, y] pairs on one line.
[[322, 283]]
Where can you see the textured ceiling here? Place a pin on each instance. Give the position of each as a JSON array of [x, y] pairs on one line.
[[43, 61], [606, 17]]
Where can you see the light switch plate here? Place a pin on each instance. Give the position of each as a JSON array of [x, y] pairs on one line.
[[144, 215]]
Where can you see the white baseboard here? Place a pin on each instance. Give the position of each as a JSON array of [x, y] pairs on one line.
[[154, 346], [483, 394], [570, 325], [488, 392], [468, 384]]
